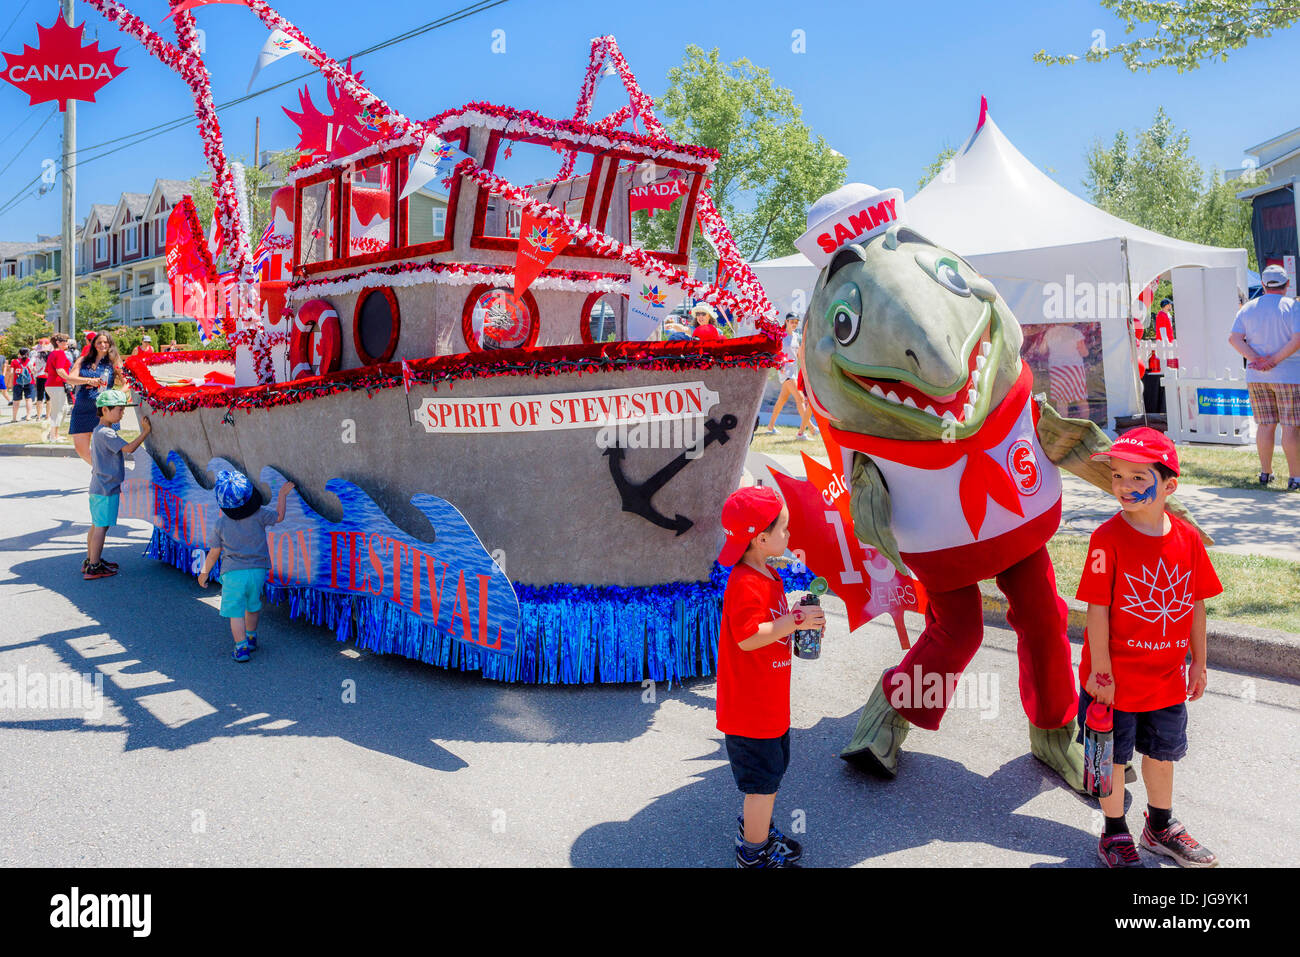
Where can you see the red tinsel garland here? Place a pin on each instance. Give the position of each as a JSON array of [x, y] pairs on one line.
[[473, 269], [756, 306], [752, 352]]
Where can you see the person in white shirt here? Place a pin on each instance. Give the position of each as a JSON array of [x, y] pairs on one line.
[[1267, 332]]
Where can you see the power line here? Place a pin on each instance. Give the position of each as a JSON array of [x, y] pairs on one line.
[[187, 119], [14, 20], [47, 119], [149, 133]]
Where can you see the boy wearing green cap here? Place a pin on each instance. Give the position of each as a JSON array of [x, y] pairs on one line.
[[108, 451]]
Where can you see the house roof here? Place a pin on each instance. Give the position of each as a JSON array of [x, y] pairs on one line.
[[135, 203], [101, 212], [14, 250], [171, 189]]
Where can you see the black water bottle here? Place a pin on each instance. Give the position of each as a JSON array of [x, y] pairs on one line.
[[808, 641]]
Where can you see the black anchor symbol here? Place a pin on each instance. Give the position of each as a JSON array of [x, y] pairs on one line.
[[636, 496]]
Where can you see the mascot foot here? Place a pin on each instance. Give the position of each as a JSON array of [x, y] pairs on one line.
[[1059, 750], [879, 735]]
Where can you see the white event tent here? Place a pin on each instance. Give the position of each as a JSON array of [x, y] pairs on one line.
[[1055, 258]]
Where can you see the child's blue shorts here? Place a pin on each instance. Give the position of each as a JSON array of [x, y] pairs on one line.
[[103, 510], [241, 591], [1160, 734]]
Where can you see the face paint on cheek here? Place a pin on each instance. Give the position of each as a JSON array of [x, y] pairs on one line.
[[1150, 494]]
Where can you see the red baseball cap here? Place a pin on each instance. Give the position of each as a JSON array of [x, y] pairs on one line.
[[1143, 445], [745, 513]]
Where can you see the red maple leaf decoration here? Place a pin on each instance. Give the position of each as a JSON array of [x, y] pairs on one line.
[[349, 126], [60, 67]]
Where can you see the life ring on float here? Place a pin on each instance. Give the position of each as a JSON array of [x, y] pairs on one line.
[[315, 346]]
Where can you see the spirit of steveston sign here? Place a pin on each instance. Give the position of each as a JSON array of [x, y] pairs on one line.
[[568, 410], [60, 67]]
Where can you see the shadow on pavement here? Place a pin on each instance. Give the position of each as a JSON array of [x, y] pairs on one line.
[[169, 681], [850, 816]]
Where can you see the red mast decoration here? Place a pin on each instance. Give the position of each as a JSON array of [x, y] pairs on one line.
[[249, 333], [245, 331]]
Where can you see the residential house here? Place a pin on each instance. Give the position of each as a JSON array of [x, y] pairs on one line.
[[1271, 179]]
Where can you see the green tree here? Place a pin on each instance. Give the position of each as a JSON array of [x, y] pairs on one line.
[[1184, 33], [256, 182], [95, 304], [771, 167], [1157, 184], [936, 167], [22, 334], [22, 297]]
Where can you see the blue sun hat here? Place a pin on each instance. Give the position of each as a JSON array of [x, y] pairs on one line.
[[236, 495]]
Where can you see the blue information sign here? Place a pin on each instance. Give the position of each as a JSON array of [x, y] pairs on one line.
[[1223, 401]]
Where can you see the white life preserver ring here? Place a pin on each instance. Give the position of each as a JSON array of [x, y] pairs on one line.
[[315, 346]]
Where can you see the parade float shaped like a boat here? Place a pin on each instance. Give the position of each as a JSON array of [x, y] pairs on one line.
[[392, 370]]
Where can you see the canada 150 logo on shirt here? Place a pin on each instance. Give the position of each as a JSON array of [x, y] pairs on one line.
[[1159, 594]]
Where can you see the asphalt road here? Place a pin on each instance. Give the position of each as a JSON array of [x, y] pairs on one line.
[[196, 760]]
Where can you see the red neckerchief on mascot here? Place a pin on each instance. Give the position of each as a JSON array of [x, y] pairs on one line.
[[982, 478]]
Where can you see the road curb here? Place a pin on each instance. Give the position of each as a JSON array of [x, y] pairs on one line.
[[1259, 651], [48, 451], [51, 451]]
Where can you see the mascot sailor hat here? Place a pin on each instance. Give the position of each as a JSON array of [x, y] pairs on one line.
[[852, 213]]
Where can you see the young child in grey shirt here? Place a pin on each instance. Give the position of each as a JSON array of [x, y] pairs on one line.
[[108, 452], [239, 538]]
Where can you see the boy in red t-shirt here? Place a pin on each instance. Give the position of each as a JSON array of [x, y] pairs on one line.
[[754, 669], [1145, 579]]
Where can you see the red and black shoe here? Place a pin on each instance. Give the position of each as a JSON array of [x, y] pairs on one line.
[[97, 570], [85, 563], [1118, 850], [1175, 842]]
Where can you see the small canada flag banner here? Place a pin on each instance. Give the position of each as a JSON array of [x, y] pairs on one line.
[[570, 410]]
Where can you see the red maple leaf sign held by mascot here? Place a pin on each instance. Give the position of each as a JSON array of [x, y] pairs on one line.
[[913, 360]]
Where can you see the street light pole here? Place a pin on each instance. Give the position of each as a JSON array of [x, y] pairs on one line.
[[68, 258]]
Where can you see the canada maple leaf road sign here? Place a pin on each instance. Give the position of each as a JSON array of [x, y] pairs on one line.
[[60, 67]]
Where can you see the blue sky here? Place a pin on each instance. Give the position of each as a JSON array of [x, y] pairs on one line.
[[887, 84]]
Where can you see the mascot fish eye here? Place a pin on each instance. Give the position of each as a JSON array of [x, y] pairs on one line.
[[912, 361]]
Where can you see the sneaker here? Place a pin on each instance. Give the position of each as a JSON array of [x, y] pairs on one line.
[[791, 848], [1175, 842], [1265, 478], [85, 563], [97, 570], [1118, 850], [241, 651], [771, 430], [251, 638], [770, 855]]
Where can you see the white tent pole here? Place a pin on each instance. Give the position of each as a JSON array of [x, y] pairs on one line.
[[1136, 381]]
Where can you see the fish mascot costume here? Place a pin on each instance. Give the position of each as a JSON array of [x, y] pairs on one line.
[[912, 362]]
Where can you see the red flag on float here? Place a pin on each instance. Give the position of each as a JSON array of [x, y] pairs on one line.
[[406, 376], [60, 67], [539, 243], [659, 195], [190, 272]]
